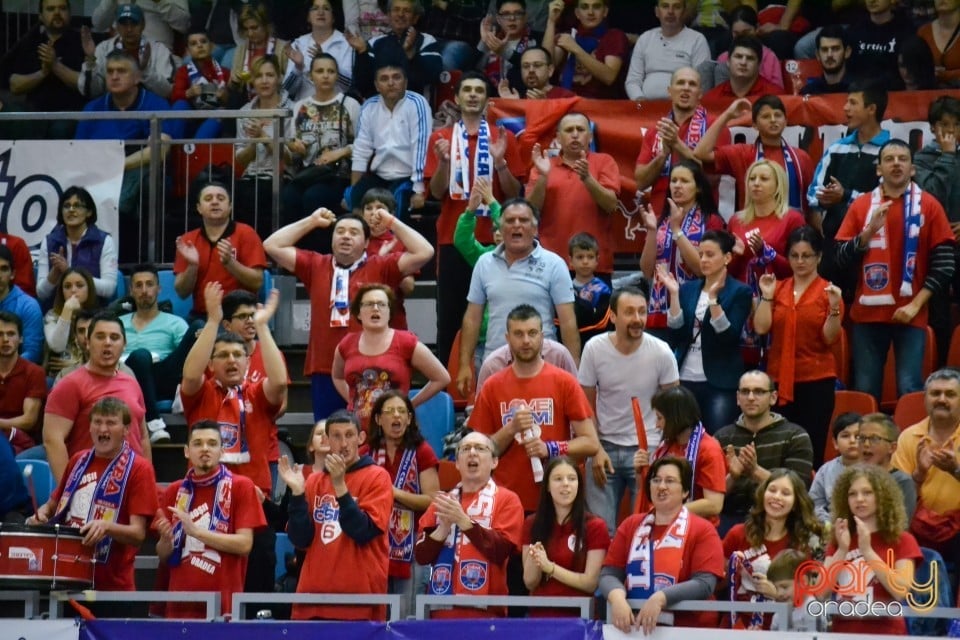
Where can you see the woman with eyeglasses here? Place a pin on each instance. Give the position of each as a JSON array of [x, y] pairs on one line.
[[563, 544], [378, 358], [76, 241], [802, 316], [397, 445], [706, 317], [782, 517], [665, 556], [683, 436]]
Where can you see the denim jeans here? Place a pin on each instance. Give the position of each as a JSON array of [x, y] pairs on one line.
[[870, 342], [718, 407], [605, 501]]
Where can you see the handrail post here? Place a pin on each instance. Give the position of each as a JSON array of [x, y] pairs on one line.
[[155, 190]]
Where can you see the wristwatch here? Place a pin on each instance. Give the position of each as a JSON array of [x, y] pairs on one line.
[[677, 234]]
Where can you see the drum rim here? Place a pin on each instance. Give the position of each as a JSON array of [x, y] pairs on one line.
[[39, 530]]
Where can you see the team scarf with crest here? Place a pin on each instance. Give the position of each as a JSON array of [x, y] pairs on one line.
[[143, 52], [402, 519], [222, 479], [340, 292], [693, 226], [791, 162], [107, 495], [696, 130], [461, 175], [738, 564], [653, 565], [193, 72], [588, 42], [459, 567], [878, 288]]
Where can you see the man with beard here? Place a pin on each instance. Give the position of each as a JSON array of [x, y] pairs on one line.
[[157, 346], [531, 409], [620, 371], [463, 153], [333, 279], [15, 300], [113, 521], [66, 420], [760, 440], [536, 69], [24, 387], [674, 137], [770, 121], [898, 243], [833, 51], [207, 529]]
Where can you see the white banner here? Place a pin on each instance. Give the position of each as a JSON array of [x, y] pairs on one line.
[[40, 629], [34, 173]]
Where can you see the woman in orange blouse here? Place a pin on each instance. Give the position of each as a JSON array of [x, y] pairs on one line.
[[943, 37], [802, 314]]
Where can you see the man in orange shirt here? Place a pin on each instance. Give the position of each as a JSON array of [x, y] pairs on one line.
[[576, 191], [897, 237]]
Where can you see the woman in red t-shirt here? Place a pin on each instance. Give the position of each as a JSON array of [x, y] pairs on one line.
[[378, 358], [802, 315], [397, 445], [870, 523], [782, 517], [683, 436], [563, 545]]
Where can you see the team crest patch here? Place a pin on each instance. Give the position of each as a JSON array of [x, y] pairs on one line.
[[876, 276], [910, 265], [662, 581], [230, 434], [473, 574], [440, 578]]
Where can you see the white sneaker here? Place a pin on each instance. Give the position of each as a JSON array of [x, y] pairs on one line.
[[158, 430]]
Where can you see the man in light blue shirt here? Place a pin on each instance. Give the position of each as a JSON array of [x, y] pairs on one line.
[[157, 346], [14, 300]]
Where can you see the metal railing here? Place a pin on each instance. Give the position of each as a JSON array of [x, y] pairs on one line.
[[210, 598], [425, 603], [30, 599], [391, 600]]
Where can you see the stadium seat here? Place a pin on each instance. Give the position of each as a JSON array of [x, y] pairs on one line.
[[181, 306], [284, 549], [453, 366], [122, 288], [43, 481], [449, 475], [844, 402], [888, 396], [953, 355], [910, 410], [796, 73], [435, 418]]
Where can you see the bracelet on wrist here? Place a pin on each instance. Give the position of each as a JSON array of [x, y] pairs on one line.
[[834, 312], [557, 448], [762, 299]]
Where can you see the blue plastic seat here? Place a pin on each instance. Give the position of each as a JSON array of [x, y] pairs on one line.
[[43, 482], [181, 306], [121, 287], [436, 418]]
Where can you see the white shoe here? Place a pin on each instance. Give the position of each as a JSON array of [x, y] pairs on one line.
[[158, 430]]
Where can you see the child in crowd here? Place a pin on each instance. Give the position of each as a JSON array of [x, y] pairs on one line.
[[591, 294], [780, 580], [382, 242], [845, 430], [201, 83]]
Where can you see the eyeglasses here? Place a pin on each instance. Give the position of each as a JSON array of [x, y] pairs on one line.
[[243, 317], [479, 448], [512, 15], [666, 482], [394, 411], [803, 257], [228, 355], [754, 392], [74, 206], [375, 305], [872, 440]]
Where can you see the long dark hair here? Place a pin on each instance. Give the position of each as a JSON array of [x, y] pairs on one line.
[[545, 517], [411, 437], [679, 409], [802, 523], [705, 200]]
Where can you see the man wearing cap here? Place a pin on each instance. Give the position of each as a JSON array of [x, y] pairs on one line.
[[394, 129], [154, 60], [163, 19]]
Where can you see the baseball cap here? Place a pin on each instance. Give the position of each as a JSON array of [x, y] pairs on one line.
[[129, 12]]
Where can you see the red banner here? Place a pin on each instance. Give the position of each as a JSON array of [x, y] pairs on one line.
[[619, 125]]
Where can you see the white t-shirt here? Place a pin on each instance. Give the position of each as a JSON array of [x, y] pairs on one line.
[[692, 370]]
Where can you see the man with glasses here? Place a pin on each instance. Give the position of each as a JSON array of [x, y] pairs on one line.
[[877, 439], [505, 35], [536, 69], [928, 452], [760, 440], [469, 534], [157, 346]]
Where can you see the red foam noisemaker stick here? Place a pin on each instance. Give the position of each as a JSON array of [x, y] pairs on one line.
[[28, 474], [638, 422]]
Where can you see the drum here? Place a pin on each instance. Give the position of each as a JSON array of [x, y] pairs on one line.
[[44, 557]]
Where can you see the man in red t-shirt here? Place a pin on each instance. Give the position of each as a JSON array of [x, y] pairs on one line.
[[221, 250], [745, 80], [576, 191], [532, 411], [898, 240], [333, 279], [24, 386], [207, 529], [455, 154], [674, 137], [770, 122], [112, 522]]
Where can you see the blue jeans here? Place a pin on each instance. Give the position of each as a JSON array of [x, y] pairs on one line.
[[871, 341], [718, 407], [325, 397], [605, 501]]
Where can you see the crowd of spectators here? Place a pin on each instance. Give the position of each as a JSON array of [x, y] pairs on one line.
[[709, 387]]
